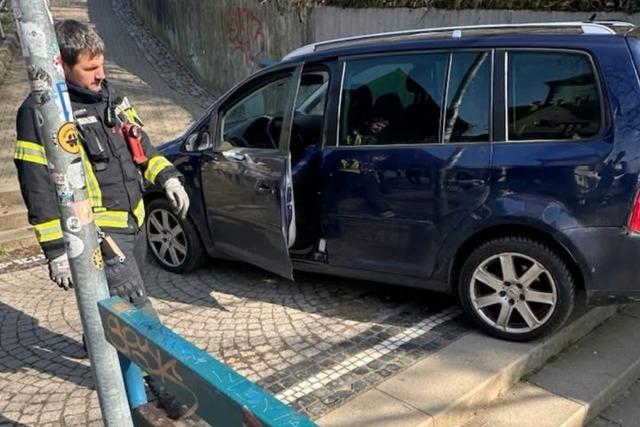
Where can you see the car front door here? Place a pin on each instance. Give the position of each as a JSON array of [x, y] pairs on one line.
[[411, 161], [246, 178]]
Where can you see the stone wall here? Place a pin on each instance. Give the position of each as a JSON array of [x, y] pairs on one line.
[[223, 41]]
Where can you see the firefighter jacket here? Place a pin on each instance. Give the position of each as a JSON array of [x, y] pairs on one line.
[[114, 182]]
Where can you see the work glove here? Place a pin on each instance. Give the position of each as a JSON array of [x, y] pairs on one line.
[[177, 196], [124, 280], [60, 272]]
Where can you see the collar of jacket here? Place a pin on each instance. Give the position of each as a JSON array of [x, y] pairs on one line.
[[86, 96]]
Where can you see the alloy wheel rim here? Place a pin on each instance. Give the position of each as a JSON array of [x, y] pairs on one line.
[[166, 238], [513, 292]]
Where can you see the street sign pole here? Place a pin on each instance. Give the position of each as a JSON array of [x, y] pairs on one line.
[[54, 117]]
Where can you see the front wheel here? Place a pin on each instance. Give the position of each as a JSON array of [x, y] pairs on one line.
[[516, 288], [174, 242]]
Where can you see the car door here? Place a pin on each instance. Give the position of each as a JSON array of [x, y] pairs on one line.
[[246, 178], [411, 161]]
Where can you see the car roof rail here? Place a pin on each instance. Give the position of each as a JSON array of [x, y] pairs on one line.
[[590, 27]]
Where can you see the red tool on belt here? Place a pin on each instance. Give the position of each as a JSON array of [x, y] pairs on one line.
[[133, 135]]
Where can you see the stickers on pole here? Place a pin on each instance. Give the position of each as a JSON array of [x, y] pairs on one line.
[[41, 81], [68, 138], [35, 40], [63, 101], [83, 211], [98, 262], [57, 60], [76, 174], [73, 224], [73, 244]]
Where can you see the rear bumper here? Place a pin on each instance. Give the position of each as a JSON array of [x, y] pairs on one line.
[[609, 260]]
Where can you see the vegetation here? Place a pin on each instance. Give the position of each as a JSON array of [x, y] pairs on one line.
[[6, 19], [628, 6]]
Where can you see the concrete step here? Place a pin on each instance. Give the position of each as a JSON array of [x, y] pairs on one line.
[[22, 238], [623, 412], [578, 385], [10, 194], [13, 217], [449, 387]]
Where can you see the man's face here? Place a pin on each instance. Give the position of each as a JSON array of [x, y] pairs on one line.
[[87, 73]]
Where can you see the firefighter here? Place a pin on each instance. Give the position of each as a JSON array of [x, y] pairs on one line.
[[116, 155]]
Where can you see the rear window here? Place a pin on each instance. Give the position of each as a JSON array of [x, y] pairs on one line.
[[552, 96]]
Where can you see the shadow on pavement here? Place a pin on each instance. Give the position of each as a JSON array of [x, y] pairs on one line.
[[28, 345], [4, 421], [338, 297]]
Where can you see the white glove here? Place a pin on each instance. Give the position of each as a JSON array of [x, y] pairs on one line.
[[60, 272], [177, 196]]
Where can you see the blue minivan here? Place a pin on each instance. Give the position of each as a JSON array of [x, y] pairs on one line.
[[496, 163]]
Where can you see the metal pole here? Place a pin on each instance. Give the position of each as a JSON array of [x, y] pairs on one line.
[[62, 147]]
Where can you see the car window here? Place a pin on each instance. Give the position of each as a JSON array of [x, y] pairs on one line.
[[552, 96], [468, 98], [306, 132], [256, 120], [393, 99]]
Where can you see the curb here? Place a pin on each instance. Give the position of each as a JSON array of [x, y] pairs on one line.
[[449, 387], [576, 386]]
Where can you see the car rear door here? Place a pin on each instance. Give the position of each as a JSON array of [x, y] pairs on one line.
[[246, 178], [412, 158]]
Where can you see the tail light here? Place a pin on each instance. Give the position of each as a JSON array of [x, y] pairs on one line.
[[634, 219]]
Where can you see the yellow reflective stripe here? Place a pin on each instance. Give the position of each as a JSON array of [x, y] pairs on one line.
[[113, 219], [155, 166], [138, 212], [93, 188], [48, 231], [30, 152]]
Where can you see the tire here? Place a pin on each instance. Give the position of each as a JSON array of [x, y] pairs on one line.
[[502, 300], [178, 252]]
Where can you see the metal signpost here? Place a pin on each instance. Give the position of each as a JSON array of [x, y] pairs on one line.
[[63, 152]]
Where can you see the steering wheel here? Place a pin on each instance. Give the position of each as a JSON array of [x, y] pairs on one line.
[[236, 140]]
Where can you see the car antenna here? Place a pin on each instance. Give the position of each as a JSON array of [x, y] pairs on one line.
[[593, 17]]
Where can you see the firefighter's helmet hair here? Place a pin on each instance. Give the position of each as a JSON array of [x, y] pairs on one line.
[[76, 38]]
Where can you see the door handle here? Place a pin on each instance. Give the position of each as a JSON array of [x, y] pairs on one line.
[[473, 182], [263, 187], [233, 155]]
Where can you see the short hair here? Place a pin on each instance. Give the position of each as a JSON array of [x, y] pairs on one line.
[[76, 38]]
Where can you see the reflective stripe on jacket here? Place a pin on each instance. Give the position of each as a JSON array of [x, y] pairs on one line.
[[114, 182]]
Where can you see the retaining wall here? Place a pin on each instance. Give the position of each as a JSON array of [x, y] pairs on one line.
[[222, 41]]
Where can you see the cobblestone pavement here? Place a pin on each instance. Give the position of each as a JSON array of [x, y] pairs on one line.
[[314, 343]]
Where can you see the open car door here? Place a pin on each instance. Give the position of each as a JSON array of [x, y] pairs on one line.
[[246, 179]]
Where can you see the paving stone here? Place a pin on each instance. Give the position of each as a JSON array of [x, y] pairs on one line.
[[277, 332]]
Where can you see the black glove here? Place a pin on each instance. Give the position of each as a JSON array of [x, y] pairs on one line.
[[125, 281], [60, 272]]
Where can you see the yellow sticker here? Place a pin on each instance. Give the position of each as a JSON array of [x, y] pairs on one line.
[[68, 138], [97, 259]]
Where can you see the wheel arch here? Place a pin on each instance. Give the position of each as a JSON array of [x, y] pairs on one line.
[[520, 230], [193, 216]]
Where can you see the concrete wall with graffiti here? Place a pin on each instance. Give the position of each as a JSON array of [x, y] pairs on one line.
[[222, 41]]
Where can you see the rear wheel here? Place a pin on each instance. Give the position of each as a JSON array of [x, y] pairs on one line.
[[174, 242], [516, 288]]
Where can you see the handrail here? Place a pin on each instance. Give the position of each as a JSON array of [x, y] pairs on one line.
[[215, 392]]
